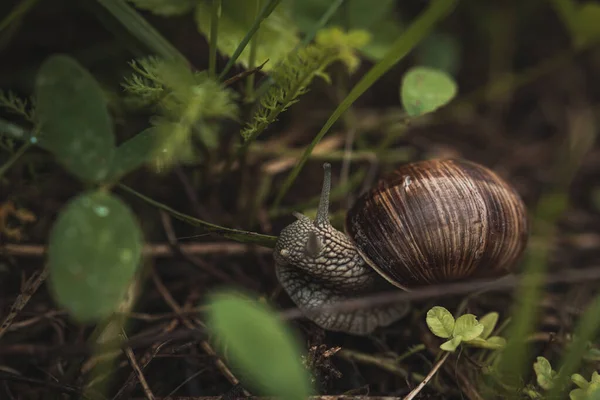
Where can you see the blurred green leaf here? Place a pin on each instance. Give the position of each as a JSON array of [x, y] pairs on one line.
[[489, 322], [493, 343], [277, 35], [166, 7], [424, 90], [135, 152], [440, 322], [587, 26], [260, 345], [94, 251], [468, 327], [580, 381], [544, 373], [73, 117]]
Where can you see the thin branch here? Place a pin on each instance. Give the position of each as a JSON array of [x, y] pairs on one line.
[[186, 321], [152, 250], [31, 286], [140, 375], [430, 375]]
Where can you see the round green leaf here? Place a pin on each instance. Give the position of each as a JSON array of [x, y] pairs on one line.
[[424, 90], [489, 322], [259, 345], [451, 344], [544, 373], [580, 381], [94, 251], [468, 327], [440, 322], [73, 118]]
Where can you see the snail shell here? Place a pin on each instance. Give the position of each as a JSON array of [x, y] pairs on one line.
[[439, 221]]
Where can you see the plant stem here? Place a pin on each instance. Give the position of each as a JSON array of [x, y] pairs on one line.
[[233, 234], [264, 13], [252, 59], [214, 33], [142, 30], [15, 157], [430, 375]]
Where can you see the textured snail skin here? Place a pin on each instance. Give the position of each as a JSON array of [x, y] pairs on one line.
[[430, 222], [439, 221], [337, 272]]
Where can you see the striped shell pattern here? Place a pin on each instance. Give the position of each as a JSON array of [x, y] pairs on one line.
[[439, 221]]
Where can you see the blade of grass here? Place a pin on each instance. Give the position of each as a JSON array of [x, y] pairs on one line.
[[17, 13], [14, 158], [252, 60], [233, 234], [214, 33], [414, 34], [142, 30], [264, 13]]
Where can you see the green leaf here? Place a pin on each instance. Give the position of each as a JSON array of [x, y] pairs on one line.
[[277, 35], [544, 373], [135, 152], [593, 354], [424, 90], [595, 377], [468, 327], [586, 27], [489, 322], [451, 344], [166, 8], [260, 345], [493, 343], [497, 342], [580, 381], [440, 322], [94, 252], [73, 118], [578, 394]]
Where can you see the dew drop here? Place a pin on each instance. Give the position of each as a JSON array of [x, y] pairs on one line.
[[33, 139], [101, 211], [126, 255]]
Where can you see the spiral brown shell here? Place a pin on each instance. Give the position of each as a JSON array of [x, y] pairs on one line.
[[439, 221]]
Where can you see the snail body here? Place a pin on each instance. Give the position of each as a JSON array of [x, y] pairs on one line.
[[429, 222]]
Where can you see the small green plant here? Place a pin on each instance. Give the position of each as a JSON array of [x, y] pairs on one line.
[[546, 379], [466, 329], [96, 243], [425, 89]]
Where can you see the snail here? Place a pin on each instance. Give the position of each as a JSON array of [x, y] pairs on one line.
[[429, 222]]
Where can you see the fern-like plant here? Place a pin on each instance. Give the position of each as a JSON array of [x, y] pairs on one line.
[[292, 77], [188, 104]]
